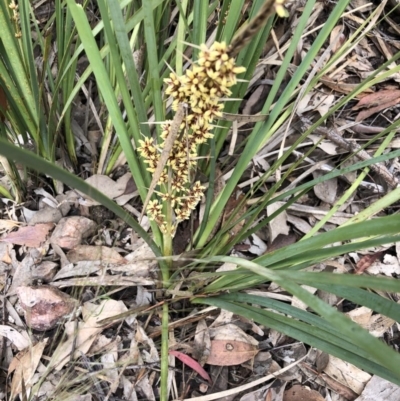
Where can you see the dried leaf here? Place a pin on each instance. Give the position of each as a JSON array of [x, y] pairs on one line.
[[101, 253], [8, 225], [380, 389], [336, 38], [202, 342], [326, 190], [366, 261], [230, 345], [31, 236], [347, 374], [106, 185], [15, 337], [388, 267], [24, 365], [278, 225], [325, 103], [230, 352], [343, 87], [187, 360], [376, 102], [81, 339]]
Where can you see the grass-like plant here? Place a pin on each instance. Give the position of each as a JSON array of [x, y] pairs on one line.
[[193, 140]]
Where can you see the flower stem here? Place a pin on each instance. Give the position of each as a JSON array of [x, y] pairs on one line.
[[164, 354]]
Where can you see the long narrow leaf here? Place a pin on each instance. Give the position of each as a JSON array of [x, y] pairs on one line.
[[37, 163]]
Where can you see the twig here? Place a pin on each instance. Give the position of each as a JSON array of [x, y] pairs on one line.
[[355, 148]]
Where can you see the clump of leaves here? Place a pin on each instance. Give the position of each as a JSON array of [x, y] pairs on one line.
[[324, 327]]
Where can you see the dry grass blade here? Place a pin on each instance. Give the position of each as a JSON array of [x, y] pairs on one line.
[[168, 144], [350, 146]]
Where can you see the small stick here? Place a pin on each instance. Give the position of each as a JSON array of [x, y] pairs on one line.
[[168, 144], [351, 146]]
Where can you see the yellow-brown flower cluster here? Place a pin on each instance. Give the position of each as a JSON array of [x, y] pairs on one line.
[[202, 87]]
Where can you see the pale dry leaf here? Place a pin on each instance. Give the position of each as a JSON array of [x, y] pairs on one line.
[[379, 389], [128, 389], [378, 325], [45, 216], [109, 360], [45, 271], [23, 273], [271, 392], [45, 306], [325, 104], [144, 386], [142, 259], [258, 246], [347, 374], [8, 225], [297, 303], [227, 267], [95, 253], [103, 281], [299, 223], [130, 189], [304, 104], [336, 38], [397, 245], [76, 397], [15, 337], [5, 256], [143, 296], [13, 316], [104, 184], [82, 337], [84, 268], [327, 146], [223, 318], [142, 338], [202, 342], [388, 267], [360, 315], [102, 344], [30, 236], [47, 199], [255, 101], [24, 366], [278, 225], [326, 190]]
